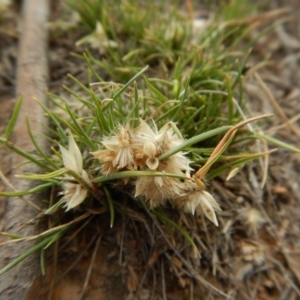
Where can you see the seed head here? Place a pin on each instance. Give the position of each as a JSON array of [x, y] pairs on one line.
[[119, 152], [194, 199], [140, 149], [74, 193], [252, 218], [157, 190], [208, 205]]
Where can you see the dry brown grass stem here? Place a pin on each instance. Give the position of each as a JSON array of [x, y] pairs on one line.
[[79, 257], [10, 185], [75, 233], [139, 217], [189, 7], [200, 174], [285, 275], [282, 126], [122, 242], [258, 19], [190, 270], [276, 106], [254, 69], [191, 290], [265, 165], [89, 272], [252, 129], [163, 281], [52, 282], [47, 232]]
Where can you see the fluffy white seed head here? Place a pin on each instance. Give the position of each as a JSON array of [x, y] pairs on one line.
[[73, 192], [253, 219], [118, 152], [207, 208], [157, 190], [72, 157], [140, 149], [149, 148]]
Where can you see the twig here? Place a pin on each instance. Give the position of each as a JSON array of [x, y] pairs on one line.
[[276, 105], [32, 74]]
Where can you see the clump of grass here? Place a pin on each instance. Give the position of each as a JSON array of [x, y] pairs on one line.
[[169, 118]]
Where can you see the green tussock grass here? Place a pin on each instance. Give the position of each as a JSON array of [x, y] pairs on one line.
[[162, 71]]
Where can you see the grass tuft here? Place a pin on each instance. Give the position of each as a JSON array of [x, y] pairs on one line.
[[179, 78]]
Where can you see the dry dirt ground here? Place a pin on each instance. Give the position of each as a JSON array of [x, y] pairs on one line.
[[277, 244], [8, 54]]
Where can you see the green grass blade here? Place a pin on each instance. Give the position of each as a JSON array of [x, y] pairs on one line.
[[130, 174], [177, 226], [25, 255], [119, 92], [54, 238], [277, 142], [80, 131], [46, 176], [156, 92], [13, 120], [42, 261], [25, 154], [38, 148], [196, 139], [54, 207], [27, 192], [102, 123], [111, 206]]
